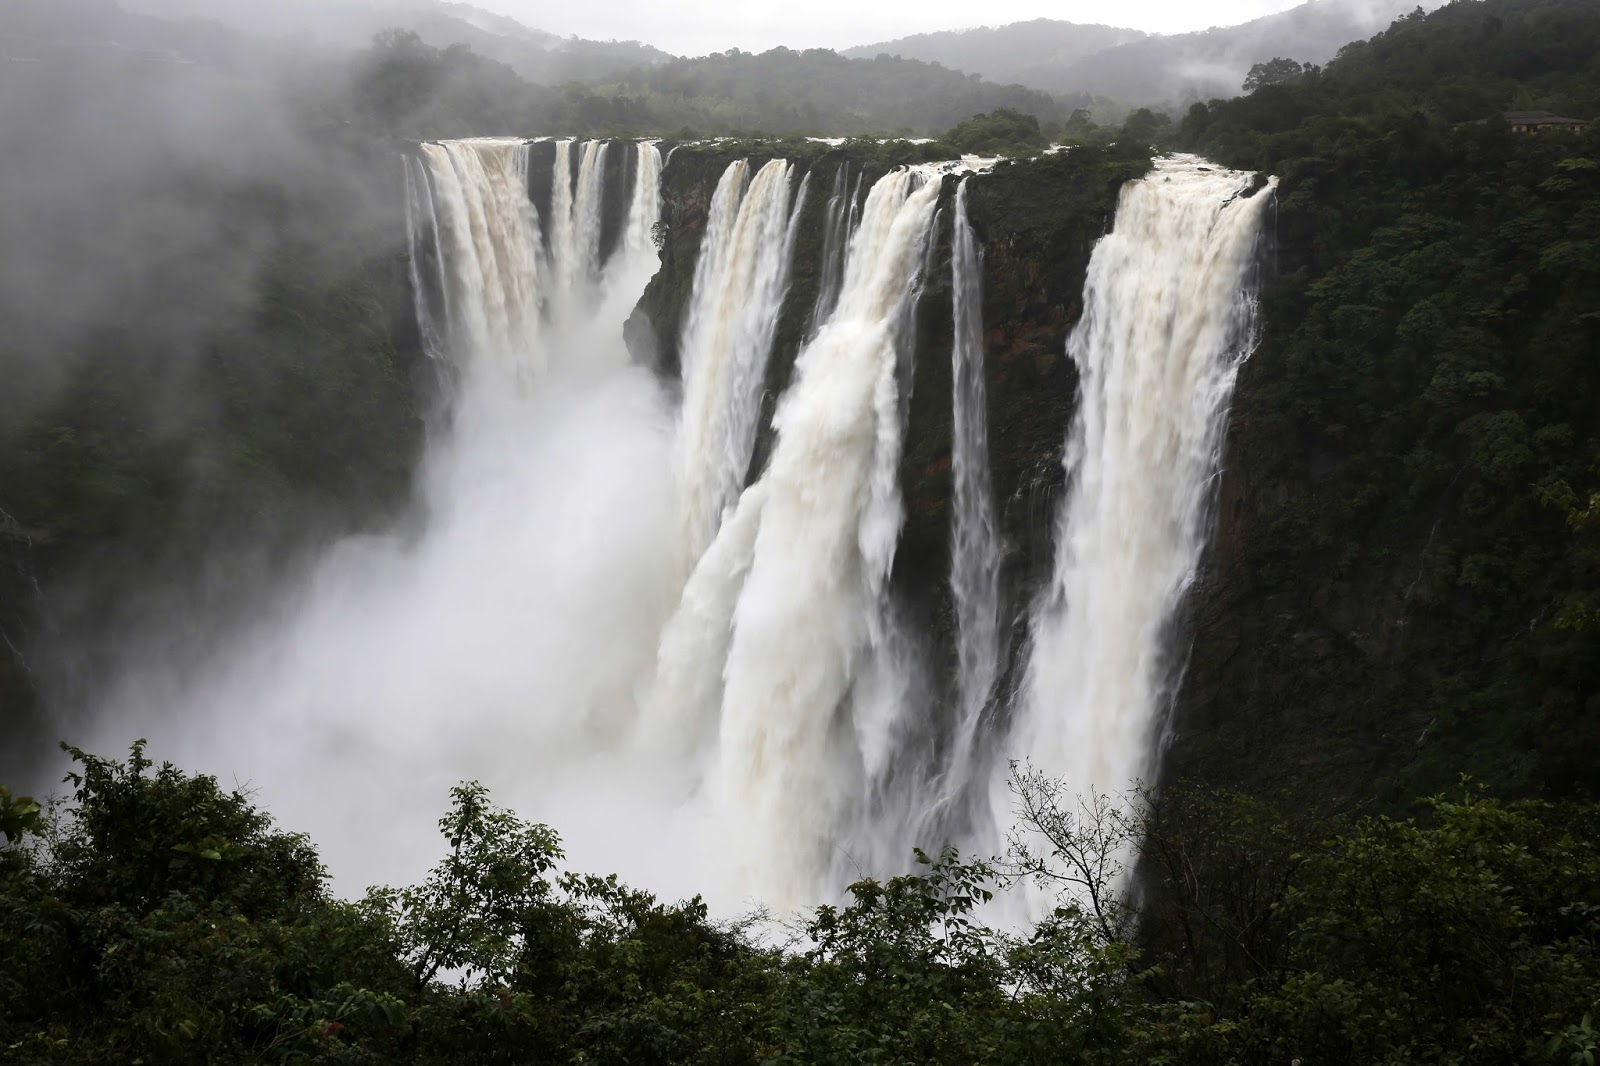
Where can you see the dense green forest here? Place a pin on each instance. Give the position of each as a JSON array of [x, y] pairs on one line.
[[157, 918], [1420, 424]]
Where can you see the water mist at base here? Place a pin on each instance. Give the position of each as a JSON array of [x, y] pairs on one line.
[[496, 634]]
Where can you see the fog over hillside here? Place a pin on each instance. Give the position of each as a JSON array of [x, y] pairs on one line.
[[1063, 57], [539, 56], [1021, 52]]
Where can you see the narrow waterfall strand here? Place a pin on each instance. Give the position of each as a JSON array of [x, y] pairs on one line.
[[645, 208], [974, 540], [422, 240]]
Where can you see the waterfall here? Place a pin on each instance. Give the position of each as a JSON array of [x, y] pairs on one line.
[[974, 547], [802, 624], [839, 221], [425, 263], [488, 233], [486, 284], [1169, 314], [740, 282], [586, 209], [645, 205]]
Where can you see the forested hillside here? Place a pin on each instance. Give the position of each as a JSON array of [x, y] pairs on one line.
[[160, 918], [540, 57], [1406, 560], [815, 91], [1137, 68], [1027, 53], [1184, 67]]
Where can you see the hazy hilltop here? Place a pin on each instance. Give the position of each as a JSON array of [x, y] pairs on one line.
[[536, 55], [1022, 52], [1212, 63], [1064, 57], [814, 91]]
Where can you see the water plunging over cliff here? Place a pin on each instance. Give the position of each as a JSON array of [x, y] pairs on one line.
[[488, 284], [784, 612], [740, 281], [1169, 314], [974, 541]]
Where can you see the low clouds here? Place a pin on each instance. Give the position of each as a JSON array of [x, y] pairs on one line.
[[696, 27]]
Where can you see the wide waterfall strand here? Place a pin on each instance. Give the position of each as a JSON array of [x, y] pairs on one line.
[[1169, 315], [788, 759], [740, 282], [974, 543], [486, 284], [489, 236]]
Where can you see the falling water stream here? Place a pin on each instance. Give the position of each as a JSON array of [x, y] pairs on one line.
[[1169, 315]]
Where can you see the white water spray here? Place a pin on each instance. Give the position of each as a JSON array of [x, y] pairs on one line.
[[1169, 316]]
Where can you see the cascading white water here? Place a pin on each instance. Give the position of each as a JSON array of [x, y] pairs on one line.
[[974, 542], [740, 282], [586, 208], [1169, 316], [497, 282], [803, 622], [644, 207], [489, 260]]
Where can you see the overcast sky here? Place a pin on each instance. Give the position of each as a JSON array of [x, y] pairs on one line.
[[695, 27]]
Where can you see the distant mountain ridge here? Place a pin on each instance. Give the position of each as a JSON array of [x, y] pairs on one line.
[[1157, 69], [539, 56], [1005, 54]]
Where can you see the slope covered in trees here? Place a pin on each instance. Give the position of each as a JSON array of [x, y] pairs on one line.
[[1022, 52], [814, 91], [1139, 68]]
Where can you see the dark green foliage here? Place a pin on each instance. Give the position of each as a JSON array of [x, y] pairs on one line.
[[160, 919], [1003, 132], [815, 91], [1276, 72], [1392, 576]]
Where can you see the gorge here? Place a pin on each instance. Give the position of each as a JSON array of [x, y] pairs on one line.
[[665, 595]]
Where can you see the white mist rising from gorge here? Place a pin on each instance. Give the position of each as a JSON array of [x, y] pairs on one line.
[[499, 635]]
